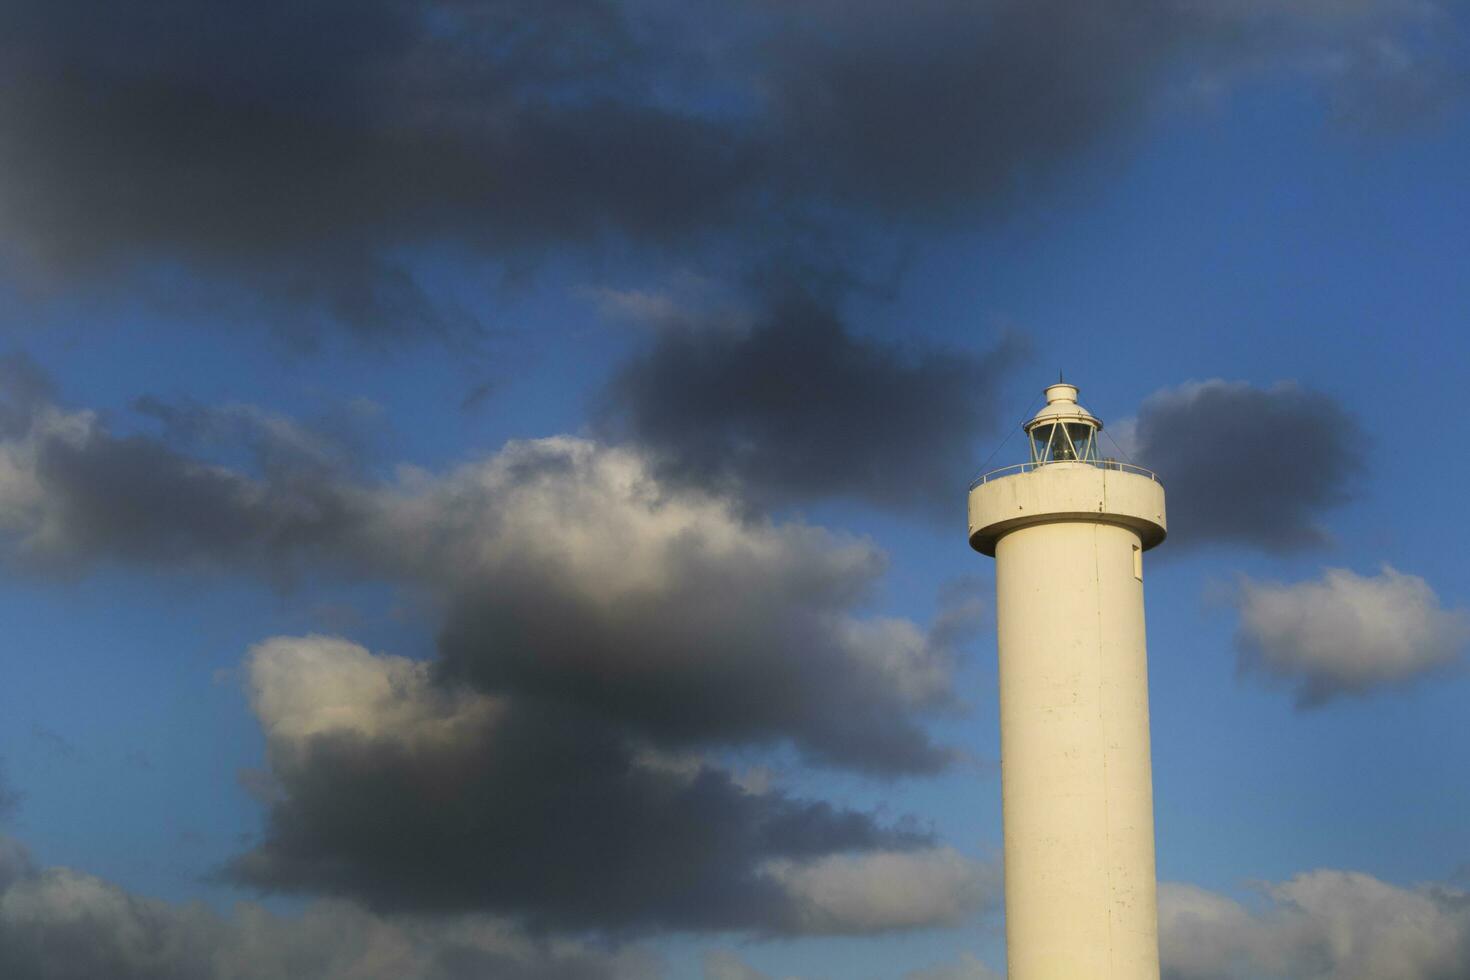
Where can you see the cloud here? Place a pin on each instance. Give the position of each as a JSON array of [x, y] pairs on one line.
[[798, 407], [275, 443], [969, 967], [945, 110], [576, 575], [1247, 465], [1320, 925], [563, 570], [1378, 65], [24, 389], [253, 144], [1347, 634], [409, 795], [72, 493], [230, 487], [303, 160], [60, 924], [597, 622], [873, 893], [722, 964]]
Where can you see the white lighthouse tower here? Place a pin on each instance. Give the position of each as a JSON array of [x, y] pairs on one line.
[[1068, 531]]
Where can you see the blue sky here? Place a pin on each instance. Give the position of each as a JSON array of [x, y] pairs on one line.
[[285, 318]]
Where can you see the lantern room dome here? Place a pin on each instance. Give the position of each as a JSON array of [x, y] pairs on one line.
[[1061, 406]]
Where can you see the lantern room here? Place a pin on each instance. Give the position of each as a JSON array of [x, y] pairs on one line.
[[1063, 431]]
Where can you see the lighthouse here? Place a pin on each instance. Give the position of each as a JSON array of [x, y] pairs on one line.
[[1068, 530]]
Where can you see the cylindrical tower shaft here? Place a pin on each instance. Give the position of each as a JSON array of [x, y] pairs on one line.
[[1075, 773], [1068, 531]]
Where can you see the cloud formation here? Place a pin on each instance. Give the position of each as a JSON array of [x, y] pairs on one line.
[[796, 406], [878, 892], [1320, 925], [409, 795], [605, 637], [564, 569], [291, 151], [1247, 465], [1347, 634], [296, 158], [61, 924], [72, 494], [572, 573]]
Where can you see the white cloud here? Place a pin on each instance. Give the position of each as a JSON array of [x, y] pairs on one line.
[[312, 685], [1202, 934], [1320, 925], [877, 892], [1347, 633], [687, 302], [24, 509]]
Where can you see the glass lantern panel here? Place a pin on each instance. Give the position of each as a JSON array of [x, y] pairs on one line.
[[1062, 449], [1040, 443], [1083, 439]]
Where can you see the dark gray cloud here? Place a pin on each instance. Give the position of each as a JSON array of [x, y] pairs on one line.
[[74, 493], [134, 499], [606, 638], [24, 389], [299, 154], [60, 924], [545, 817], [1248, 465], [291, 150], [799, 407], [943, 109], [411, 795], [680, 619]]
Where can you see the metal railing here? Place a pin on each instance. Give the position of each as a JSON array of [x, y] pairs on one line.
[[1102, 464]]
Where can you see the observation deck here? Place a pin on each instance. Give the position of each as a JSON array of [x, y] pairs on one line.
[[1065, 480]]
